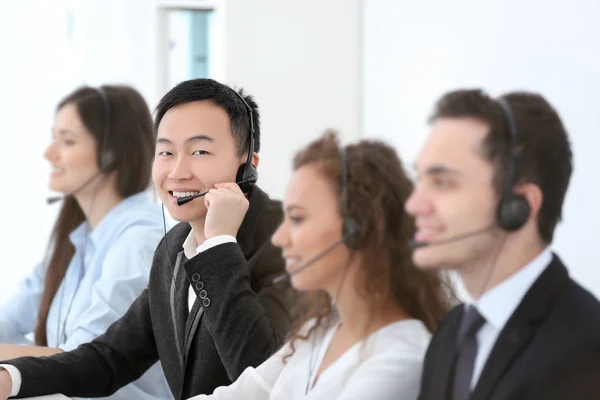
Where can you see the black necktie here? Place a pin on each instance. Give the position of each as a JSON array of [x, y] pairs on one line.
[[467, 350]]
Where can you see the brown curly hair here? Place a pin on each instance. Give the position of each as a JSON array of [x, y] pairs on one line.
[[376, 191]]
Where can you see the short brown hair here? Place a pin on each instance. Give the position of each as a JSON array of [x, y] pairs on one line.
[[543, 151], [377, 188]]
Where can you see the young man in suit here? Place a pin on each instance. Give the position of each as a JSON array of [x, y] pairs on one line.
[[210, 309], [493, 175]]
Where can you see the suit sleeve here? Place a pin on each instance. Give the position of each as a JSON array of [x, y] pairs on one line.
[[98, 368], [247, 316]]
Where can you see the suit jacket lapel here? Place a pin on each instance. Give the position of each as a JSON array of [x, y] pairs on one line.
[[508, 346], [178, 313], [521, 327], [192, 324], [183, 287]]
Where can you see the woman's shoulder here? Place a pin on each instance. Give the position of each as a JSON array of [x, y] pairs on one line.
[[134, 221], [407, 338], [136, 212]]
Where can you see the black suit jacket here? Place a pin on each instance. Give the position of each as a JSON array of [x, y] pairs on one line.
[[549, 348], [242, 320]]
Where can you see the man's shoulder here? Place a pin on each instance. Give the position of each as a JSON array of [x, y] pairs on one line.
[[579, 306], [264, 201], [176, 236], [264, 215]]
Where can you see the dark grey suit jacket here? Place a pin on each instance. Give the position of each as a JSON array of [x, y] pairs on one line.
[[549, 348], [238, 321]]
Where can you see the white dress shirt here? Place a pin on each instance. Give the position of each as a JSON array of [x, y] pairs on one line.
[[499, 303], [385, 366]]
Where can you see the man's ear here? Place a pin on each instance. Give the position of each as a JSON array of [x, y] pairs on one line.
[[255, 159], [533, 194]]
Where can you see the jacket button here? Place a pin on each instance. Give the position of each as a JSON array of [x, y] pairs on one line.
[[195, 277], [206, 302], [202, 294], [199, 285]]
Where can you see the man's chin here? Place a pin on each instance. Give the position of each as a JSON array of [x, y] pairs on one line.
[[187, 218], [186, 213]]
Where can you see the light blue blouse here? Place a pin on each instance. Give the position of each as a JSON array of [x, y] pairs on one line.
[[118, 255]]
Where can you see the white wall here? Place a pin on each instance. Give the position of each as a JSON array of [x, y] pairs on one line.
[[415, 51], [299, 59], [37, 64]]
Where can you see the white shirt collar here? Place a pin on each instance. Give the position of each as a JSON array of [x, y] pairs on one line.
[[190, 245], [499, 303]]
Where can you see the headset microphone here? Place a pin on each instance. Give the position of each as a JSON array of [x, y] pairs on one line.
[[414, 244], [183, 200], [285, 276], [52, 200]]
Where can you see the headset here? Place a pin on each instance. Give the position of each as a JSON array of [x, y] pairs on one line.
[[513, 210], [350, 227], [247, 174], [106, 161]]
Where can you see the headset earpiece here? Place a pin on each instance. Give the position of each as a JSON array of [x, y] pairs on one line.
[[350, 227], [248, 176], [107, 159], [247, 173], [513, 210], [349, 232]]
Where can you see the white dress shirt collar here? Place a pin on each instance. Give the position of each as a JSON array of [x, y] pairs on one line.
[[190, 245], [500, 302]]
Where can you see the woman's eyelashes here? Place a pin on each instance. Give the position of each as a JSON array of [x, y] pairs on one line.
[[296, 220]]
